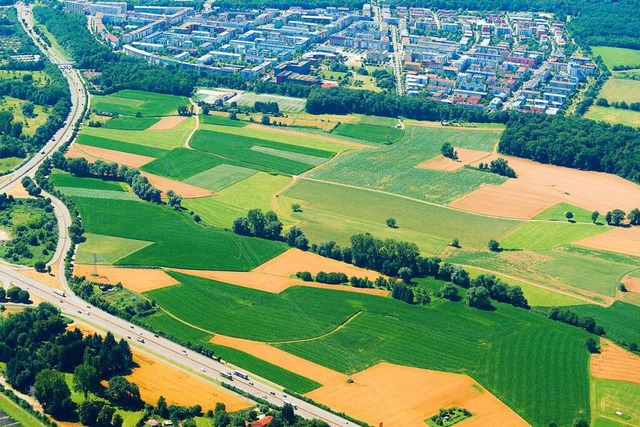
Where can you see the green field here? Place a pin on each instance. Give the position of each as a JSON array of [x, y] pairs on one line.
[[392, 168], [536, 296], [130, 102], [221, 121], [40, 78], [9, 163], [371, 133], [63, 179], [621, 90], [30, 124], [586, 272], [334, 212], [545, 235], [181, 163], [169, 325], [614, 115], [98, 194], [285, 103], [612, 56], [609, 397], [244, 149], [537, 366], [107, 249], [125, 147], [164, 139], [557, 213], [220, 177], [131, 123], [179, 241], [619, 321], [234, 201]]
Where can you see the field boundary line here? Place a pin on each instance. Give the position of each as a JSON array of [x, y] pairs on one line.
[[336, 329], [548, 288]]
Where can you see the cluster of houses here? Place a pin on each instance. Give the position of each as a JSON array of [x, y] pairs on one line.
[[481, 60]]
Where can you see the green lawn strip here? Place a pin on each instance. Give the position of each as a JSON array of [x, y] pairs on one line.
[[304, 158], [585, 271], [97, 194], [182, 163], [63, 179], [126, 147], [221, 121], [131, 123], [557, 213], [609, 397], [168, 325], [160, 139], [108, 249], [130, 102], [371, 133], [417, 222], [9, 163], [548, 235], [19, 414], [619, 320], [179, 241], [536, 296], [392, 168], [220, 177]]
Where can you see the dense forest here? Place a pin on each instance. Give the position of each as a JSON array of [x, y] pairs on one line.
[[345, 101], [574, 142]]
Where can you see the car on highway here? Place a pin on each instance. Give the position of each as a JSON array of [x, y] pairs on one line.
[[273, 392]]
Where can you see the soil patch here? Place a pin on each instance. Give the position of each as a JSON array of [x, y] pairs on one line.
[[95, 153], [540, 186], [187, 191], [48, 279], [465, 157], [294, 260], [167, 123], [404, 396], [272, 283], [283, 359], [615, 363], [620, 239], [135, 279], [18, 190], [632, 296]]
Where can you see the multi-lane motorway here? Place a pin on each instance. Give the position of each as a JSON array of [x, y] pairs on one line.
[[71, 305]]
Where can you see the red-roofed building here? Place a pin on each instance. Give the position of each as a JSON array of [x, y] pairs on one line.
[[260, 423]]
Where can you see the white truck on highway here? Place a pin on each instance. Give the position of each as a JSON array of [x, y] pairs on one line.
[[60, 293]]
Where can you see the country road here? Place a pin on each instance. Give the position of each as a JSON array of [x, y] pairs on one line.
[[73, 306]]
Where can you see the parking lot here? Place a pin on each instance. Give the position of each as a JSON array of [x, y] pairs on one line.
[[7, 421]]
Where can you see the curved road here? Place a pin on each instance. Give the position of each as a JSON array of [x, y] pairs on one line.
[[74, 306]]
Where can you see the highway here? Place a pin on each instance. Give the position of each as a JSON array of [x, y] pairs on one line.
[[73, 306]]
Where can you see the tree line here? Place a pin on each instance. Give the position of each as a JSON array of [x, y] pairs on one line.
[[574, 142], [268, 226]]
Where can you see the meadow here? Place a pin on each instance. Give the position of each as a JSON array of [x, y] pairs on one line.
[[285, 103], [392, 168], [557, 213], [181, 163], [368, 132], [280, 158], [40, 78], [234, 201], [614, 115], [125, 147], [130, 102], [63, 179], [621, 90], [540, 360], [612, 56], [9, 163], [329, 213], [178, 241], [221, 121], [609, 397], [545, 235], [30, 124], [169, 325], [220, 177], [131, 123], [161, 139], [107, 249]]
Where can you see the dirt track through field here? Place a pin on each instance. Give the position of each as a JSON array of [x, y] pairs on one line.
[[272, 283], [167, 123], [615, 363], [465, 157], [406, 396], [95, 153], [620, 239], [540, 186], [134, 279]]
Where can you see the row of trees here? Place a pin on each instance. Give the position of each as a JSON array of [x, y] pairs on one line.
[[604, 102], [15, 295], [569, 317], [268, 226], [574, 142]]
